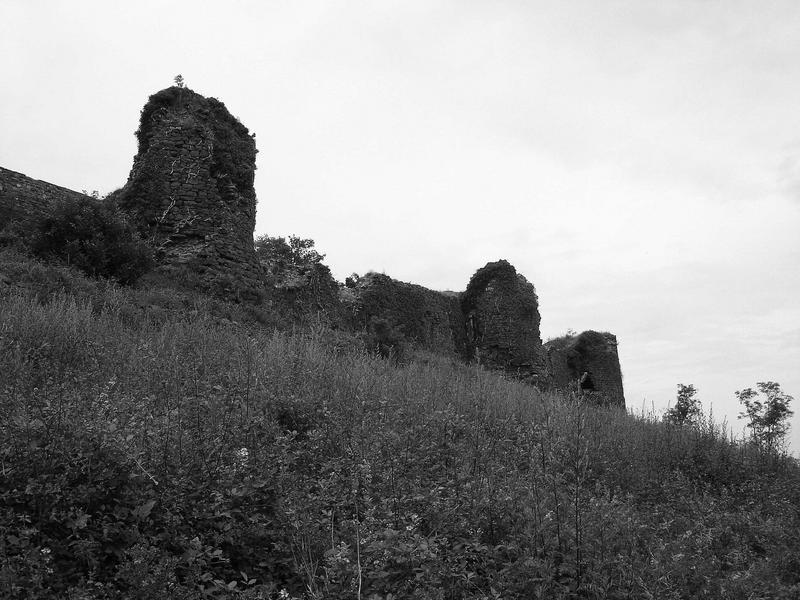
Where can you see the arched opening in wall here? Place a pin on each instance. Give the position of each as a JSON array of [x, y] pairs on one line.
[[586, 383], [473, 333]]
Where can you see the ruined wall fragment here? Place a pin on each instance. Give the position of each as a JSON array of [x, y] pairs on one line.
[[23, 200], [501, 312], [191, 191], [590, 361], [431, 319]]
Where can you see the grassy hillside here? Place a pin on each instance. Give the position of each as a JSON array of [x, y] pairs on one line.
[[155, 443]]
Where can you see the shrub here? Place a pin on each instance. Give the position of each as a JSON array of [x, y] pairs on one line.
[[385, 339], [299, 280], [12, 235], [687, 408], [768, 418], [297, 252], [95, 237]]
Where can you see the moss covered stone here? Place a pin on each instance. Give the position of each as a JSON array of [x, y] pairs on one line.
[[430, 319], [191, 188], [501, 312], [590, 360], [24, 201]]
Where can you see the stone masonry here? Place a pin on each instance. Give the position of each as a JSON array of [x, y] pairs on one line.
[[24, 200], [191, 188], [591, 361], [495, 322], [431, 319], [190, 192], [501, 312]]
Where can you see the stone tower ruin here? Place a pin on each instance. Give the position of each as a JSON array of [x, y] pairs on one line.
[[191, 188], [501, 311], [591, 361]]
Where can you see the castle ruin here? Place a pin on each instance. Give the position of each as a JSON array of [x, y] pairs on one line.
[[190, 192], [190, 189]]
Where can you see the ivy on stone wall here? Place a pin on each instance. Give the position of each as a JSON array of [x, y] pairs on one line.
[[429, 318], [190, 190], [233, 151], [500, 272]]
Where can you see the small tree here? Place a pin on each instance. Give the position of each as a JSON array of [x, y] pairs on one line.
[[687, 407], [297, 252], [295, 270], [769, 416], [179, 80]]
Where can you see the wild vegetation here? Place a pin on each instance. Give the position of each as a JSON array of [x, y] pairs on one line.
[[95, 237], [156, 443], [768, 418], [299, 282], [688, 408]]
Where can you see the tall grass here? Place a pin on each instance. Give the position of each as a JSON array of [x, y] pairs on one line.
[[147, 452]]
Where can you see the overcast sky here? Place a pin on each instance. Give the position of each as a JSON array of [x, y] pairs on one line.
[[638, 161]]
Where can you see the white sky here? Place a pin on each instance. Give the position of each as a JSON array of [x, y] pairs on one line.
[[638, 161]]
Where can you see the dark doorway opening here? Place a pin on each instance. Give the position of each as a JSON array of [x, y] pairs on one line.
[[586, 383]]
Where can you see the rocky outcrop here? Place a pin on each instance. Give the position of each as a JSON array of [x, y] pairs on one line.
[[24, 200], [589, 360], [432, 320], [191, 188], [501, 312]]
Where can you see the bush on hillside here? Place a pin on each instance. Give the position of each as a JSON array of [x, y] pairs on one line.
[[281, 254], [296, 274], [769, 418], [94, 237], [687, 409], [12, 235], [385, 339]]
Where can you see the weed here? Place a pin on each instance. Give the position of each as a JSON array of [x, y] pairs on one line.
[[191, 455]]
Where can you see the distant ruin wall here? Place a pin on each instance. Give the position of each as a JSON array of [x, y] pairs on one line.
[[589, 360], [501, 312], [24, 200], [496, 323], [191, 191], [431, 319]]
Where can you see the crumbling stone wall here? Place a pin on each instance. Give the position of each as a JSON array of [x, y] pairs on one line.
[[496, 322], [24, 200], [191, 188], [589, 360], [501, 312], [431, 319], [191, 192]]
